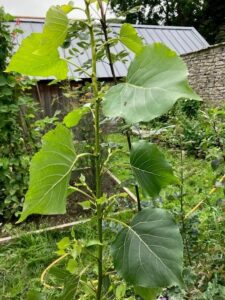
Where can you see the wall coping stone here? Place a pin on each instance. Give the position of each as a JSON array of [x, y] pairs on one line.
[[204, 49]]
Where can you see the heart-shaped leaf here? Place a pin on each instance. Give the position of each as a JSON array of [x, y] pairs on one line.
[[50, 174], [38, 54], [28, 61], [149, 252], [156, 79], [150, 168]]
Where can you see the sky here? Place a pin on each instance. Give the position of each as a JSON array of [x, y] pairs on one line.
[[38, 8]]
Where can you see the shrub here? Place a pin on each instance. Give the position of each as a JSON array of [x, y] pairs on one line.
[[19, 131]]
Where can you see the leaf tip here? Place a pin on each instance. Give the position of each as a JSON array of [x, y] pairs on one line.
[[22, 218]]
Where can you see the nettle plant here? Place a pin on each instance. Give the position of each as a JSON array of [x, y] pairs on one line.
[[147, 253]]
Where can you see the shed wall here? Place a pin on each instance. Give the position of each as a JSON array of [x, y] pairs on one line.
[[206, 75], [207, 72], [55, 97]]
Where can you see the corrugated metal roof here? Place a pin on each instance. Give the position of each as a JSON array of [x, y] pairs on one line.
[[183, 40]]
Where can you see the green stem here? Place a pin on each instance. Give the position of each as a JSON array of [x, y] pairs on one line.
[[97, 153], [109, 56], [184, 231], [79, 68], [75, 189], [136, 186], [118, 221]]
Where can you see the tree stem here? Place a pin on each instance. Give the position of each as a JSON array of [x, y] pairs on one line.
[[107, 47], [109, 56], [97, 150]]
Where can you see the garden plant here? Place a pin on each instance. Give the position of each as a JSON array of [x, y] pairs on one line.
[[147, 252]]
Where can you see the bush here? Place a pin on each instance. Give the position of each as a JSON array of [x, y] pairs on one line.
[[20, 133], [199, 130]]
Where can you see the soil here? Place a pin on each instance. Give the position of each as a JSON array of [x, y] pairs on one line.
[[74, 211]]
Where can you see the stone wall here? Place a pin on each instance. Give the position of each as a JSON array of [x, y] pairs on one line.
[[207, 72]]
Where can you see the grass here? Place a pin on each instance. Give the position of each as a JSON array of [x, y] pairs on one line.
[[23, 261], [21, 264]]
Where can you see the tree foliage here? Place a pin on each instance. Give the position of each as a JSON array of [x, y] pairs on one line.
[[166, 12], [206, 16], [213, 21]]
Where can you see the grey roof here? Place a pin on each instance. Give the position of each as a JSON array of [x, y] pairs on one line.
[[181, 39]]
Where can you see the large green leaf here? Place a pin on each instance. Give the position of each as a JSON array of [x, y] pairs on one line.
[[50, 174], [148, 252], [29, 61], [156, 79], [150, 168], [38, 54], [130, 38]]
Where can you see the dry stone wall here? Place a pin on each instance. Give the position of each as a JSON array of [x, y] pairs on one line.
[[207, 72]]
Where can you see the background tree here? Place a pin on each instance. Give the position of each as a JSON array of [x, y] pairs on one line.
[[165, 12], [207, 16], [213, 21]]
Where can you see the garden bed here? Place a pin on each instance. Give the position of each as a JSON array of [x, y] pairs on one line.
[[75, 213]]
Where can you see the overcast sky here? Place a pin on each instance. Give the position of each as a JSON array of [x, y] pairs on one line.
[[36, 8]]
